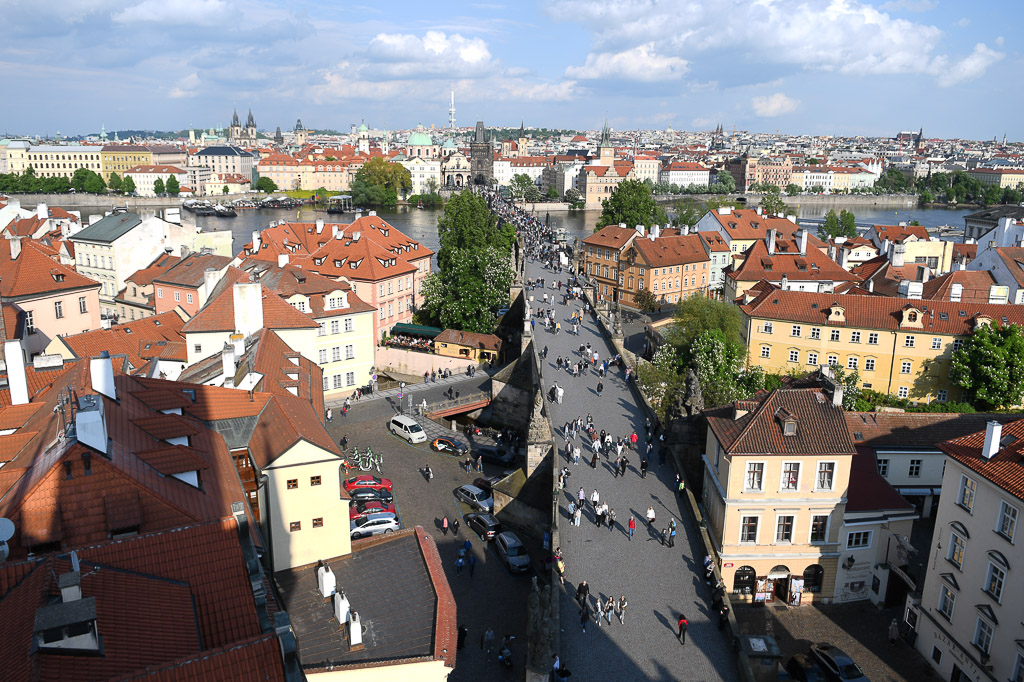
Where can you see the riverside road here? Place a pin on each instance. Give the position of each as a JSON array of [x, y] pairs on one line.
[[659, 582]]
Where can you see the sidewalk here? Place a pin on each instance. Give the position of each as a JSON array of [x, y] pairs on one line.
[[392, 393]]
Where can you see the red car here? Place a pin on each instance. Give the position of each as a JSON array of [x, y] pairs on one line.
[[367, 481], [360, 509]]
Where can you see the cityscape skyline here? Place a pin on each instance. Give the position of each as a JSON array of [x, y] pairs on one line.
[[758, 66]]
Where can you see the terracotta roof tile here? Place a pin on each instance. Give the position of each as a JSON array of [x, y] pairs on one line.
[[34, 272], [1005, 468], [868, 491], [666, 251], [175, 459], [138, 340]]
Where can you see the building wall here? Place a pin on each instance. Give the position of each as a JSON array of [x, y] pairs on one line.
[[953, 637], [144, 181], [116, 161], [343, 375], [55, 161], [302, 504], [48, 325]]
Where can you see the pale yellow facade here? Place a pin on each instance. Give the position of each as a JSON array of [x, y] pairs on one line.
[[302, 514], [749, 516], [55, 161], [344, 346], [1003, 178], [114, 160]]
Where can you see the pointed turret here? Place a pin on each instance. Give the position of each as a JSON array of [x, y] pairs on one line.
[[481, 133], [606, 135], [234, 118], [250, 122]]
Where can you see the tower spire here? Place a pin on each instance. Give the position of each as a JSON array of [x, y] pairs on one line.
[[451, 109]]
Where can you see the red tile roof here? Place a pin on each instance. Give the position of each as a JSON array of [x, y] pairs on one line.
[[611, 236], [257, 658], [900, 233], [218, 315], [161, 264], [744, 224], [915, 429], [868, 491], [34, 272], [470, 339], [157, 336], [666, 251], [1004, 469], [787, 262], [190, 272]]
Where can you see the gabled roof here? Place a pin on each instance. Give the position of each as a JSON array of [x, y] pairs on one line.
[[218, 315], [108, 229], [821, 428], [744, 224], [190, 272], [470, 339], [667, 251], [787, 262], [139, 340], [1013, 258], [868, 491], [915, 430], [900, 233], [611, 236], [34, 272], [291, 280], [161, 264], [1004, 469]]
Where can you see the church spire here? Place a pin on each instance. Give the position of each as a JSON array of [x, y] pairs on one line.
[[234, 118], [606, 136]]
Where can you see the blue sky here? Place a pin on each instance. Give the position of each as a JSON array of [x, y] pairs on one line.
[[868, 67]]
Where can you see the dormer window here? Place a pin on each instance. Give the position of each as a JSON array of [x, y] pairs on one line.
[[787, 420]]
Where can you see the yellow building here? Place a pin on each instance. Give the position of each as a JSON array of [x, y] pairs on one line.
[[898, 346], [467, 345], [1003, 177], [795, 513], [118, 158], [53, 161], [603, 251]]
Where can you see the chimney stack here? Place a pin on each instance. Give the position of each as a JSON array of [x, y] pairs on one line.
[[70, 584], [319, 225], [255, 241], [640, 230], [15, 246], [282, 260], [248, 301], [16, 379], [993, 432], [42, 212], [771, 241], [326, 582], [101, 370], [899, 252], [227, 358], [802, 236]]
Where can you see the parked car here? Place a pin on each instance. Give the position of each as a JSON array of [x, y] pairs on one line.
[[804, 669], [367, 481], [837, 665], [374, 524], [371, 495], [449, 446], [358, 510], [493, 455], [407, 428], [487, 483], [487, 526], [512, 551], [475, 497]]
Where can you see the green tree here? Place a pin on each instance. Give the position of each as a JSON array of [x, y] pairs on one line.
[[77, 180], [172, 186], [380, 183], [114, 182], [812, 161], [645, 300], [520, 185], [688, 212], [772, 203], [158, 187], [633, 204], [817, 189], [721, 201], [94, 184], [696, 314], [661, 379], [474, 267], [848, 223], [267, 186], [574, 198], [724, 182], [128, 186], [990, 366], [552, 193], [718, 364], [225, 190], [432, 186], [793, 189]]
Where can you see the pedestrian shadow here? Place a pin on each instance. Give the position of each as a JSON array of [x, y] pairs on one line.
[[667, 622]]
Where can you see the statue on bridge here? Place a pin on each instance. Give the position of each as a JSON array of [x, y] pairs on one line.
[[693, 401]]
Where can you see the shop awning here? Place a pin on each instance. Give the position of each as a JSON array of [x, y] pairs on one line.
[[415, 330]]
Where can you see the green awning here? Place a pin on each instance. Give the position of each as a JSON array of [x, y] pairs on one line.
[[415, 330]]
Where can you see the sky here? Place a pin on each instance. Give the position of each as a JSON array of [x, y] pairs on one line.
[[840, 67]]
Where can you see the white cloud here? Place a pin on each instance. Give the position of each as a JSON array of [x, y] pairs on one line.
[[401, 55], [846, 36], [964, 22], [177, 12], [999, 41], [186, 87], [773, 105], [637, 64], [969, 68], [910, 5]]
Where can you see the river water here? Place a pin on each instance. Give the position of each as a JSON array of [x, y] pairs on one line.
[[421, 224]]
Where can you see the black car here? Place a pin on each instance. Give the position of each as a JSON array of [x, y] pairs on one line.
[[837, 665], [449, 446], [804, 669], [493, 455], [368, 494], [487, 483], [485, 525]]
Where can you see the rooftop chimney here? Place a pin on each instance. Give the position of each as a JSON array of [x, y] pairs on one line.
[[90, 423], [356, 236], [899, 252], [102, 371], [326, 582], [15, 359], [342, 609], [640, 229], [238, 341], [993, 432], [923, 273], [255, 241], [282, 260], [802, 236], [622, 225], [42, 212], [15, 246], [227, 359], [771, 242], [759, 211], [210, 278], [357, 216], [70, 584], [248, 301], [372, 213]]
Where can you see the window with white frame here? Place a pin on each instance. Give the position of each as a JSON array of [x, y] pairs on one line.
[[873, 339], [906, 366], [790, 476], [748, 529], [941, 395], [794, 356], [322, 329], [957, 548], [903, 392], [833, 360], [852, 362], [947, 600], [766, 351], [337, 381], [188, 298], [348, 324], [755, 476], [767, 328], [322, 356], [983, 632], [834, 335], [957, 344], [177, 295], [908, 341], [784, 528], [914, 471], [1006, 524], [326, 381], [812, 358], [854, 337], [336, 354], [883, 467], [858, 539], [936, 343], [965, 496], [826, 475], [350, 378], [819, 528], [795, 331], [815, 332], [350, 352], [334, 326], [995, 578]]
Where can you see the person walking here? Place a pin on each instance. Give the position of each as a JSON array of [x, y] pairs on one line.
[[577, 516], [576, 450], [444, 525], [330, 414], [582, 496], [650, 517], [611, 519], [609, 608], [455, 527], [622, 466], [472, 563], [595, 498], [894, 632], [487, 642], [582, 593], [680, 484], [672, 535], [584, 617], [643, 468], [621, 610], [593, 460], [600, 389], [632, 527], [459, 563], [683, 624], [618, 465]]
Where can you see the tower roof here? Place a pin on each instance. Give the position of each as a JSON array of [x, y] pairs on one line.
[[298, 125], [234, 118], [250, 122], [606, 136], [481, 132]]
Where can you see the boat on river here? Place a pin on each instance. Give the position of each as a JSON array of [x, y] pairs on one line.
[[222, 211]]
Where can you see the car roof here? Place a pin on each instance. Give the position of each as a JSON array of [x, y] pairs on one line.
[[510, 538], [402, 419], [486, 516], [381, 515], [832, 650], [472, 489]]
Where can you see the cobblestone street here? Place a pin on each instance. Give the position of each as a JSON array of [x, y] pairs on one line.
[[659, 582]]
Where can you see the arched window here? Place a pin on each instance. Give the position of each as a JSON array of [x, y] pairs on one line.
[[813, 577], [743, 580]]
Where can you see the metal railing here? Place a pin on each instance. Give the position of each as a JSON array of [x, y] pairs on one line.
[[461, 401]]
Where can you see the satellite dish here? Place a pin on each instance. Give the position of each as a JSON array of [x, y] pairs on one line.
[[6, 529]]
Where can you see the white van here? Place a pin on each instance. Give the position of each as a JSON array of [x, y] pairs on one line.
[[407, 428]]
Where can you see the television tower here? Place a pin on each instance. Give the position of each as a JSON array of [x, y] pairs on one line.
[[451, 110]]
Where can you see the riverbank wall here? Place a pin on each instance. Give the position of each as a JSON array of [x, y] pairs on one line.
[[825, 201], [108, 201]]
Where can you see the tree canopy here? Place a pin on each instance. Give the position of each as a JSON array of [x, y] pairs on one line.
[[267, 185], [842, 225], [380, 183], [772, 203], [172, 186], [633, 204], [114, 182], [128, 185], [158, 186], [474, 267], [696, 314], [990, 366]]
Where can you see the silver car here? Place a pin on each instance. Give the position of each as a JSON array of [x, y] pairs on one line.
[[374, 524], [475, 497], [512, 552]]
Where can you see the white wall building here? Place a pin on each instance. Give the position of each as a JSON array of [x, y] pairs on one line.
[[145, 177]]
